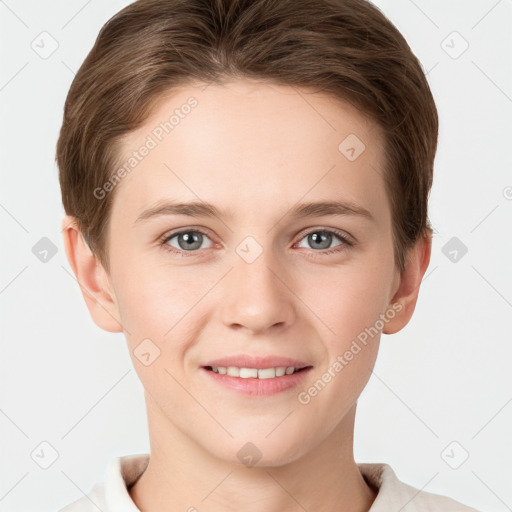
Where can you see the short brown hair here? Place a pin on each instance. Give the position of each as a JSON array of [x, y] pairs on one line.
[[345, 48]]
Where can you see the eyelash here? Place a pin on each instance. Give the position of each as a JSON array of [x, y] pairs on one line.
[[320, 253]]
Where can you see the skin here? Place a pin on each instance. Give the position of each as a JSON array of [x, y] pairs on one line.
[[255, 150]]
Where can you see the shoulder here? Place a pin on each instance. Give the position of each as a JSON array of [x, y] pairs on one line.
[[112, 492], [394, 494]]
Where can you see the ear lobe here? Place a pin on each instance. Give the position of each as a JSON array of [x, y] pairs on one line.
[[418, 259], [92, 278]]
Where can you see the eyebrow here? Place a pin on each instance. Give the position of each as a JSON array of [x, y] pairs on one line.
[[203, 209]]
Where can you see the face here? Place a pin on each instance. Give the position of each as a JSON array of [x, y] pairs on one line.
[[255, 276]]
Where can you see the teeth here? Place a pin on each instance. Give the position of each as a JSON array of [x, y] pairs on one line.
[[233, 371], [245, 373], [281, 371], [255, 373], [265, 373]]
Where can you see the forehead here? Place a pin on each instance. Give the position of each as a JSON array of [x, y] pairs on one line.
[[246, 140]]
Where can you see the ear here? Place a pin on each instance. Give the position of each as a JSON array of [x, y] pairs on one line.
[[409, 281], [93, 279]]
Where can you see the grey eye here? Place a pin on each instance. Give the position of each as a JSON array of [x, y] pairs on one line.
[[188, 240], [320, 239]]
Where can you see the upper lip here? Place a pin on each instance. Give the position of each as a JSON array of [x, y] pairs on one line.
[[247, 361]]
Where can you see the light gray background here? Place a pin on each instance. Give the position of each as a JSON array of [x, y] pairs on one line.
[[445, 378]]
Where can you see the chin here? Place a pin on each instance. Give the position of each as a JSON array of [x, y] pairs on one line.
[[255, 450]]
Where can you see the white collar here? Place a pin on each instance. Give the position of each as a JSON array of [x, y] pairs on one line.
[[392, 494]]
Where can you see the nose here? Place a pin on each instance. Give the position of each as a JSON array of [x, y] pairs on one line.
[[256, 295]]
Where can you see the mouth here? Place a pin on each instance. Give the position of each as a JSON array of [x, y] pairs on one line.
[[256, 381], [256, 373]]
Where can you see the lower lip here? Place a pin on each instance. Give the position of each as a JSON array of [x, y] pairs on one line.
[[253, 386]]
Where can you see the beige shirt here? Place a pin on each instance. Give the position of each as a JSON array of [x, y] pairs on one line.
[[112, 495]]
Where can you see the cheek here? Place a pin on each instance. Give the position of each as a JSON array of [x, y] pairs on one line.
[[346, 310], [347, 300], [155, 309], [152, 301], [166, 305]]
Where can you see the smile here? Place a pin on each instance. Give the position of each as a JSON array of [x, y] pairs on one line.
[[254, 373], [257, 381]]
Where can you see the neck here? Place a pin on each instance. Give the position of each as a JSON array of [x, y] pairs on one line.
[[183, 476]]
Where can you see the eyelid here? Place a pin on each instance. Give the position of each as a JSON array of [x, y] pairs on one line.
[[346, 239], [335, 231], [189, 229]]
